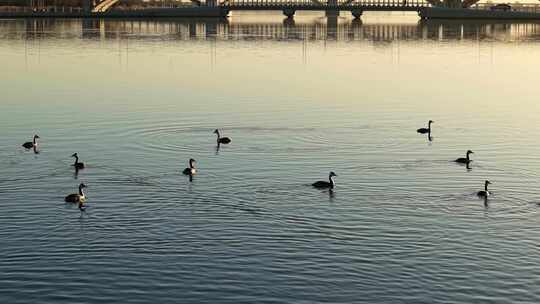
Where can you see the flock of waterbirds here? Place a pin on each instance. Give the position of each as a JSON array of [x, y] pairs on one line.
[[80, 197], [461, 160]]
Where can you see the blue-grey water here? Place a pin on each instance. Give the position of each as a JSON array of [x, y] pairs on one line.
[[137, 98]]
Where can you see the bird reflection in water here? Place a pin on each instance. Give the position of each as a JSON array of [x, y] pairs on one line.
[[331, 195]]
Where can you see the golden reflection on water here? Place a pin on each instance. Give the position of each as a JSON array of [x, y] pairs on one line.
[[375, 59], [299, 98], [273, 26]]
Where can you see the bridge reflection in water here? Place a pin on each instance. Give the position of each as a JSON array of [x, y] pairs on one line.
[[320, 28]]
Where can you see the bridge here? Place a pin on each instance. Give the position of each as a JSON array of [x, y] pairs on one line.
[[356, 7], [104, 6], [87, 5], [427, 9], [289, 7]]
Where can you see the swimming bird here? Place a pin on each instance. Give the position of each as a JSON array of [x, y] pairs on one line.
[[485, 193], [191, 170], [465, 160], [77, 164], [324, 184], [31, 144], [77, 197], [425, 130], [221, 140]]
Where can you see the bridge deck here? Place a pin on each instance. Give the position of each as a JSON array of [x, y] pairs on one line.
[[322, 8], [362, 5]]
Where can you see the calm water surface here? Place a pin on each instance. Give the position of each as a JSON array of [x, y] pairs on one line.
[[136, 99]]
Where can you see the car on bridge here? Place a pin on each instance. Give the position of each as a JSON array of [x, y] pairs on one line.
[[501, 7]]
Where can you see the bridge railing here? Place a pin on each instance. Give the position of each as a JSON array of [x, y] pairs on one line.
[[47, 9], [269, 3], [331, 3], [392, 3]]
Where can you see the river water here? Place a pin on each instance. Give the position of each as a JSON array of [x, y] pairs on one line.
[[137, 98]]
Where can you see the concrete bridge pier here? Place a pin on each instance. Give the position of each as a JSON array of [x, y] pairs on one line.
[[289, 26], [289, 22], [91, 28], [356, 24], [211, 29], [332, 11], [87, 5], [36, 4], [331, 27], [357, 13], [289, 12], [192, 29]]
